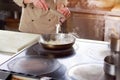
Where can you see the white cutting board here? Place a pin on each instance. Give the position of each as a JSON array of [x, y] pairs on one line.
[[13, 42]]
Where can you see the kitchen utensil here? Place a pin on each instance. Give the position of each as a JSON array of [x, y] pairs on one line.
[[115, 44], [57, 41], [109, 66], [115, 41], [58, 28], [53, 53]]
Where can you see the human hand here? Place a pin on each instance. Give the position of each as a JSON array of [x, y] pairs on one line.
[[41, 4], [63, 10]]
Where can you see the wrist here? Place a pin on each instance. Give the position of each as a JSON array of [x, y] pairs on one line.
[[27, 1]]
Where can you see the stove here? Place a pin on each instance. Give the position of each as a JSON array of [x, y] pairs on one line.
[[77, 55], [44, 61]]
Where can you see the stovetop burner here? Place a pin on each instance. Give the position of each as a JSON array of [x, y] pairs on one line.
[[27, 63], [34, 65]]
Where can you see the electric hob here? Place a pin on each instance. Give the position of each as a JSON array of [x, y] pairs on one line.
[[80, 55], [37, 62]]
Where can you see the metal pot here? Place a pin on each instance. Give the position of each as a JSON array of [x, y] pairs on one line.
[[58, 41], [115, 44], [109, 66]]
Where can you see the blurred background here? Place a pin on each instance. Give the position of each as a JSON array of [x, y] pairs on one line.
[[90, 19]]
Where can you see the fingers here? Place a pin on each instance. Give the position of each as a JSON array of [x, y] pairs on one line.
[[44, 5], [65, 11], [41, 4]]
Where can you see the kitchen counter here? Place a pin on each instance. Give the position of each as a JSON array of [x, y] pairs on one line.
[[86, 51]]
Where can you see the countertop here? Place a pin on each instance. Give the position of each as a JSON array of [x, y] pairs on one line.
[[86, 52]]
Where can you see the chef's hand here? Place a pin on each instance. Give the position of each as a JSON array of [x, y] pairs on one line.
[[63, 10], [41, 4]]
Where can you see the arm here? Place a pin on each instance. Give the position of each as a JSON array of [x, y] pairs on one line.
[[27, 1], [37, 3], [63, 9], [21, 2]]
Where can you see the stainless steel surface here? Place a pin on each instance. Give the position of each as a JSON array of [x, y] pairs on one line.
[[115, 44], [109, 66], [25, 64], [117, 63], [115, 48], [81, 47]]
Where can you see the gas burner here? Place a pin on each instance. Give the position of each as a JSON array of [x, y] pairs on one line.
[[39, 50]]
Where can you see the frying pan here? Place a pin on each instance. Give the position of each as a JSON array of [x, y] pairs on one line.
[[57, 41]]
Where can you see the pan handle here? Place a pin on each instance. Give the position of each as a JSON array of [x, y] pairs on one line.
[[75, 35]]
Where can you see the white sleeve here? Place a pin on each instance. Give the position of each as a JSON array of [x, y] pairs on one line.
[[20, 3]]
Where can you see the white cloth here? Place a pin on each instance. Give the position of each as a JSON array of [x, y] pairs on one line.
[[12, 42]]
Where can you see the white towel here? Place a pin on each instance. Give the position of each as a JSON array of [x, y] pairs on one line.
[[12, 42]]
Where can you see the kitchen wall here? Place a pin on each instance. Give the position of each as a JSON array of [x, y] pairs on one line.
[[86, 23], [93, 22]]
